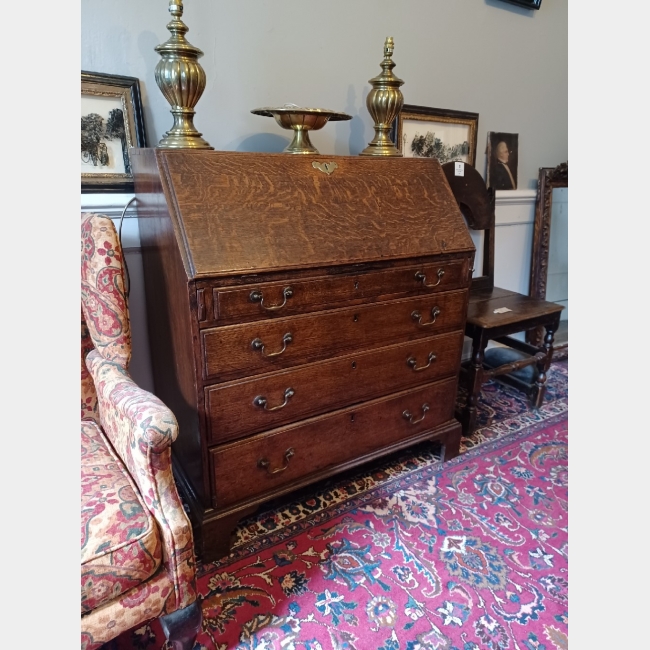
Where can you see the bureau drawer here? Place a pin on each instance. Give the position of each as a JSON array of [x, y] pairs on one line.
[[265, 402], [277, 299], [252, 467], [236, 351]]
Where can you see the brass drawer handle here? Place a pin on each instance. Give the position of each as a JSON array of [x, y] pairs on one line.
[[260, 401], [407, 415], [421, 277], [412, 363], [256, 296], [417, 316], [263, 463], [257, 344]]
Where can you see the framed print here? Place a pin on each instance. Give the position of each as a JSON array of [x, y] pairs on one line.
[[503, 157], [422, 132], [111, 123]]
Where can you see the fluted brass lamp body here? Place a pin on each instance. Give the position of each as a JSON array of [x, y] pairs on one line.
[[181, 79], [384, 102]]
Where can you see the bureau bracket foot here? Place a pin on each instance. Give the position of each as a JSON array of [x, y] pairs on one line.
[[213, 538], [451, 444]]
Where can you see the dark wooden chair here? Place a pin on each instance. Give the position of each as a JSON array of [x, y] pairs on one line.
[[496, 314]]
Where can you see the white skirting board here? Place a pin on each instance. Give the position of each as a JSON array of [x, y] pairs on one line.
[[515, 214]]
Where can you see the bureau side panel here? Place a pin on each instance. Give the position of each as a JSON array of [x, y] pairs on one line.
[[169, 319]]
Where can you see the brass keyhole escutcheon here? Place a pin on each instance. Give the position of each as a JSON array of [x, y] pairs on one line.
[[354, 365], [356, 318]]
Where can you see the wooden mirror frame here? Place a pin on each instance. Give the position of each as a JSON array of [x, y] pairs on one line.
[[549, 178]]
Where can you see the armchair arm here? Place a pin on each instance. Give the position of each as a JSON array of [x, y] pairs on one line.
[[141, 429]]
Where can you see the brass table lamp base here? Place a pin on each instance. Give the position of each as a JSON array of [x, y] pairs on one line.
[[384, 102], [181, 79], [301, 121]]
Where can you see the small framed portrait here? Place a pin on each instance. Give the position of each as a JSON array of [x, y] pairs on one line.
[[422, 132], [502, 155], [111, 123]]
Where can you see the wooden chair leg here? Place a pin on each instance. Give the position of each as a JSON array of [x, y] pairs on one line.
[[539, 389], [473, 384], [182, 626]]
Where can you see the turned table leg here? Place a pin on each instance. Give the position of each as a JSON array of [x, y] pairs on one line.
[[539, 389], [474, 381]]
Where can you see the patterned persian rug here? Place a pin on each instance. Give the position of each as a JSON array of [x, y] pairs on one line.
[[409, 553]]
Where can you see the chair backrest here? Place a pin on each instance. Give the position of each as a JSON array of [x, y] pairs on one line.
[[105, 313], [477, 203]]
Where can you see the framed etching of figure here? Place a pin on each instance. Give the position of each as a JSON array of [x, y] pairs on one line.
[[423, 132], [111, 123], [503, 156]]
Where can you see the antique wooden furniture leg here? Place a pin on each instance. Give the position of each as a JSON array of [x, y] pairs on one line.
[[539, 389], [216, 535], [473, 381], [182, 626], [451, 444]]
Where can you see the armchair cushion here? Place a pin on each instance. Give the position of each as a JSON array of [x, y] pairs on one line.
[[120, 543]]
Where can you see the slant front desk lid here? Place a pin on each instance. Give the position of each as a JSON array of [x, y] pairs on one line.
[[252, 212]]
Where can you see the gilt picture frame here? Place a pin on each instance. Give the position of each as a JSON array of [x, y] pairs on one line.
[[444, 134], [111, 123]]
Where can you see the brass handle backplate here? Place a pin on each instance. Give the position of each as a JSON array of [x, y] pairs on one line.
[[260, 401], [257, 296], [417, 316], [412, 363], [257, 344], [421, 277], [263, 463], [407, 415]]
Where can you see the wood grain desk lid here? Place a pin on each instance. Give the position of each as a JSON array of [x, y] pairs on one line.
[[252, 212]]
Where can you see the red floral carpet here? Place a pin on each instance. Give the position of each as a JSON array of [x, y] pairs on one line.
[[410, 554]]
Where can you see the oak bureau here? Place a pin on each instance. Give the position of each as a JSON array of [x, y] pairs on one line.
[[306, 315]]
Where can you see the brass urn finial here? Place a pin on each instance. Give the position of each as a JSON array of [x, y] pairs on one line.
[[181, 79], [384, 102]]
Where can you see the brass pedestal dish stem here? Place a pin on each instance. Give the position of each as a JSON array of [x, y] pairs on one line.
[[384, 102], [301, 121], [181, 79]]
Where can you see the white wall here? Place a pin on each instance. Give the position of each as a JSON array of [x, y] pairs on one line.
[[504, 62]]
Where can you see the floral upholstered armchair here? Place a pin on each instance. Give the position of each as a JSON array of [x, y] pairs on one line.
[[137, 551]]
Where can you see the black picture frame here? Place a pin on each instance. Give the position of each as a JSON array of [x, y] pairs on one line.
[[529, 4], [412, 115], [112, 123]]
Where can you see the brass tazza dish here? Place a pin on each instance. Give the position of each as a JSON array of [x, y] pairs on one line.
[[301, 120]]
